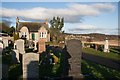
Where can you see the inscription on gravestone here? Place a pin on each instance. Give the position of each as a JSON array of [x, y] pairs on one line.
[[74, 48], [30, 66]]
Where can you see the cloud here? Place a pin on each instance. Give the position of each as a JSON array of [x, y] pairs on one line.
[[73, 13], [82, 27], [88, 28], [7, 21]]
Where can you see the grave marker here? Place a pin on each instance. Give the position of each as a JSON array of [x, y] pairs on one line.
[[30, 66], [74, 48], [41, 45], [20, 46], [106, 46], [5, 43]]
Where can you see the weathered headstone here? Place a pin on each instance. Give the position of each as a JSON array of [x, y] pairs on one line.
[[106, 46], [5, 43], [41, 45], [30, 66], [74, 48], [20, 46], [15, 56]]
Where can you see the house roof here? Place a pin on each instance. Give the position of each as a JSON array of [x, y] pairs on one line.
[[32, 26]]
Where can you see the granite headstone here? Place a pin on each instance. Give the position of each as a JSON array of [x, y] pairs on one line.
[[74, 48]]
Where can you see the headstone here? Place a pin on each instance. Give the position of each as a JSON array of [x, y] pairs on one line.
[[31, 44], [30, 66], [41, 45], [20, 46], [106, 46], [83, 44], [5, 43], [74, 48], [15, 56]]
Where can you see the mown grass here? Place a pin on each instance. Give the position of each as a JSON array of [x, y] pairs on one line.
[[110, 55], [92, 71]]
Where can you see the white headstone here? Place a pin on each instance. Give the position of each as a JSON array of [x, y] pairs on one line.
[[5, 43], [83, 44], [20, 46], [106, 46], [31, 65], [15, 46]]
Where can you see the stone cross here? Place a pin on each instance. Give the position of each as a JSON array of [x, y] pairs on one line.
[[106, 46], [30, 66], [74, 48]]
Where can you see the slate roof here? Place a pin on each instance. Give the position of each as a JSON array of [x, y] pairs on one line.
[[32, 26]]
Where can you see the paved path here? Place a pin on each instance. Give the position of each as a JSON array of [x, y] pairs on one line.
[[101, 60]]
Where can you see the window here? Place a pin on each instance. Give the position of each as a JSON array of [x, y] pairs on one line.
[[43, 34], [23, 34], [33, 36]]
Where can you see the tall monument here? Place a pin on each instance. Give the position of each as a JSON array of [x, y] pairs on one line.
[[106, 46]]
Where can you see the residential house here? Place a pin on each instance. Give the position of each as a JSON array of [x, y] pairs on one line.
[[33, 30]]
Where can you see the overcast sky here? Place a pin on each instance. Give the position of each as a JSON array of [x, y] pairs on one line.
[[80, 17]]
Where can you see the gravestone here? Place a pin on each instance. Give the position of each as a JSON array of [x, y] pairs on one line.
[[20, 46], [31, 44], [41, 45], [30, 66], [74, 48], [106, 46], [5, 43], [15, 56]]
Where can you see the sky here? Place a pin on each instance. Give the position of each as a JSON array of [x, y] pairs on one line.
[[80, 17]]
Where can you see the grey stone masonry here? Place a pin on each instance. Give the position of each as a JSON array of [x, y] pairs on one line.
[[74, 48]]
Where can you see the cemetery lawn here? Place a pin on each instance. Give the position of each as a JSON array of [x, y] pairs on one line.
[[112, 55], [91, 70]]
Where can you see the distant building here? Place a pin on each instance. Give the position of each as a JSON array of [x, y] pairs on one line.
[[33, 30]]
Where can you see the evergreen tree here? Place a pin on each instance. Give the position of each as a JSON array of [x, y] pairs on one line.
[[56, 29]]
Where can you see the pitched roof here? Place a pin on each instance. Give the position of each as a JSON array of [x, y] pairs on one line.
[[32, 26]]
